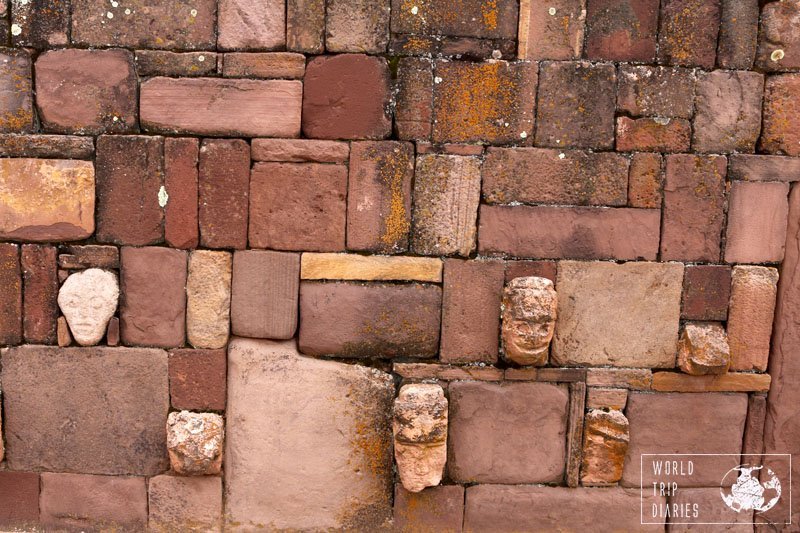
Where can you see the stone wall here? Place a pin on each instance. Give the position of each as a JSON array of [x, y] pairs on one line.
[[396, 265]]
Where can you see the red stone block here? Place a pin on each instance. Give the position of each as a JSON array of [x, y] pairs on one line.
[[621, 30], [467, 18], [576, 105], [414, 111], [439, 509], [10, 295], [738, 33], [197, 379], [251, 24], [175, 64], [284, 65], [706, 291], [224, 188], [40, 279], [694, 205], [16, 86], [42, 23], [645, 181], [551, 34], [757, 215], [656, 91], [687, 34], [130, 174], [540, 269], [653, 134], [471, 311], [305, 26], [19, 499], [346, 97], [780, 133], [779, 37], [180, 180], [299, 151], [298, 207]]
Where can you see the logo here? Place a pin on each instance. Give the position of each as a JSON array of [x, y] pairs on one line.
[[748, 493]]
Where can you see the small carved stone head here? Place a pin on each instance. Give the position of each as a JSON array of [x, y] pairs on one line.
[[88, 300]]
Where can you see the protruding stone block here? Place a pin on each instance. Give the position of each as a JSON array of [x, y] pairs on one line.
[[88, 299], [40, 280], [529, 320], [754, 291], [19, 499], [195, 442], [208, 302], [703, 349], [605, 443]]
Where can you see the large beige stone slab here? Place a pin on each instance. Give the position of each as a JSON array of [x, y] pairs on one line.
[[208, 299], [308, 443], [370, 268]]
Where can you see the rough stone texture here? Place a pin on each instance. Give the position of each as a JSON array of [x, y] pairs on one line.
[[346, 97], [413, 115], [626, 378], [779, 32], [605, 443], [130, 174], [546, 36], [706, 290], [64, 336], [185, 504], [738, 33], [112, 332], [617, 314], [576, 412], [423, 371], [88, 299], [357, 26], [780, 132], [153, 308], [576, 105], [75, 502], [728, 116], [437, 509], [446, 197], [703, 349], [19, 499], [251, 25], [379, 196], [656, 91], [197, 379], [79, 257], [175, 64], [694, 202], [711, 509], [420, 435], [180, 182], [116, 424], [16, 98], [217, 107], [272, 65], [653, 134], [63, 192], [754, 428], [622, 31], [298, 207], [369, 320], [39, 23], [195, 442], [757, 214], [685, 423], [471, 311], [224, 185], [606, 398], [529, 320], [305, 26], [541, 269], [495, 437], [548, 176], [730, 382], [46, 146], [481, 19], [492, 102], [749, 167], [370, 268], [687, 34], [753, 294], [645, 181], [299, 151], [208, 299], [341, 439], [86, 91], [264, 294], [40, 280], [569, 232]]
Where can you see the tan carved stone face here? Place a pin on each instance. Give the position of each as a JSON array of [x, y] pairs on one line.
[[88, 300], [529, 319]]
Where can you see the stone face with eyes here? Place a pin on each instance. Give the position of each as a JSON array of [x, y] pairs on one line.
[[88, 300], [530, 308]]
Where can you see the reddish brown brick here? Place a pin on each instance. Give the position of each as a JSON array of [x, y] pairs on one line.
[[11, 292], [16, 87], [467, 48], [130, 174], [78, 257], [694, 204], [542, 269], [299, 207], [706, 291], [467, 18], [748, 167], [346, 97], [299, 151], [687, 34], [270, 65], [42, 23], [645, 181], [576, 105], [471, 310], [656, 91], [780, 133], [434, 509], [414, 111], [305, 26], [175, 64], [180, 180], [621, 30], [19, 499], [40, 280], [197, 379], [757, 215], [738, 33], [357, 26], [224, 188], [653, 134], [251, 24], [779, 37], [546, 36], [46, 146]]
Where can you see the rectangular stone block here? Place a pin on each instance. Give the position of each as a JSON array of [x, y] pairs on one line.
[[605, 398], [224, 188], [46, 146], [180, 182], [217, 107], [197, 379], [778, 39], [622, 30], [646, 181], [617, 314], [185, 503], [551, 34], [752, 306], [706, 290], [16, 88], [175, 64], [645, 91], [40, 280], [749, 167], [753, 442], [305, 26], [41, 23], [208, 299], [78, 257], [433, 509], [780, 132], [299, 151], [541, 269], [357, 26], [626, 378], [11, 295], [251, 25], [757, 215], [710, 509], [413, 116], [370, 268], [114, 425], [439, 372], [19, 500], [730, 382], [281, 65], [687, 33], [738, 33], [467, 18], [653, 134]]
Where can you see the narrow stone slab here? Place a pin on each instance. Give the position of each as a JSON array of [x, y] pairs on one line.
[[626, 378], [731, 382], [299, 151], [370, 268], [749, 167], [421, 371]]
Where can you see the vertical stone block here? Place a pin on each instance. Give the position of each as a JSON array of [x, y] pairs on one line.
[[413, 115], [224, 187], [251, 24], [195, 442], [357, 26], [738, 34], [40, 281], [605, 444], [180, 183], [208, 299], [16, 90], [197, 379], [11, 291], [757, 217], [687, 34], [551, 30], [779, 38], [706, 291], [622, 30], [645, 181], [753, 294], [305, 26], [19, 499], [780, 133]]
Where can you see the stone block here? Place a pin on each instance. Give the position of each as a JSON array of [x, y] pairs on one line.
[[529, 319], [181, 504], [79, 257], [357, 26], [748, 167], [738, 33], [197, 379], [305, 26], [208, 299], [46, 146], [757, 215], [439, 509], [195, 442], [16, 89], [646, 91], [175, 64], [779, 38], [646, 181], [370, 268], [703, 349], [605, 442], [88, 299], [283, 65], [40, 280], [251, 25], [688, 31], [752, 306], [730, 382], [19, 499], [180, 183], [728, 116], [606, 398], [540, 269], [706, 290], [780, 132], [546, 33], [622, 31], [224, 187], [413, 115], [653, 134], [626, 378]]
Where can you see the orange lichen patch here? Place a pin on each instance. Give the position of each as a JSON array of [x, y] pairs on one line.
[[392, 168], [489, 10], [21, 120]]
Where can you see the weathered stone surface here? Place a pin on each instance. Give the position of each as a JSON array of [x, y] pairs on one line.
[[645, 181], [653, 134], [529, 320], [576, 412], [413, 115], [779, 40], [706, 290], [694, 204], [569, 232], [753, 294], [130, 175], [88, 299], [284, 65], [627, 378], [86, 91], [617, 314], [687, 33], [46, 146], [185, 504], [208, 299], [711, 509], [63, 192], [208, 106], [341, 438], [605, 443], [299, 151], [112, 332], [548, 176], [197, 379], [19, 499], [757, 214], [656, 91], [576, 105], [446, 197], [738, 33], [546, 34], [730, 382], [251, 25], [16, 91], [471, 311], [264, 294], [357, 26], [684, 423], [606, 398], [298, 207], [420, 435], [622, 31], [753, 442], [175, 64], [195, 442], [495, 437], [370, 268], [369, 320], [116, 425], [728, 116], [64, 336], [492, 102], [780, 132], [87, 502], [39, 23], [79, 257], [180, 183], [541, 269], [224, 186], [305, 26], [181, 25], [435, 509], [153, 309], [40, 306], [346, 97], [457, 18], [748, 167], [703, 349], [424, 371]]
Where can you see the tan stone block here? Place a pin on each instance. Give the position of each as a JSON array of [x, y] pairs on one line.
[[369, 268], [420, 371], [626, 378], [605, 442], [731, 382], [208, 299], [185, 504], [606, 398], [753, 293]]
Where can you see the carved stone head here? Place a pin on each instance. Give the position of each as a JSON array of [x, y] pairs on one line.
[[88, 300], [529, 319]]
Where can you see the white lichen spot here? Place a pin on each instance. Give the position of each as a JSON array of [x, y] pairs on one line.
[[114, 3], [497, 54], [437, 79], [110, 15], [662, 120], [127, 11], [524, 135], [16, 29], [115, 118], [193, 12], [505, 124], [562, 155], [558, 141], [163, 197], [23, 2], [414, 10], [777, 55], [201, 58], [552, 11]]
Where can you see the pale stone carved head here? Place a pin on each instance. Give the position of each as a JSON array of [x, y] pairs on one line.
[[529, 319], [88, 300]]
